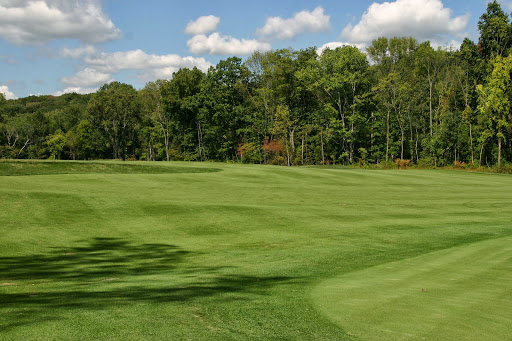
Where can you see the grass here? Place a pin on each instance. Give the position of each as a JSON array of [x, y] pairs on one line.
[[107, 251], [38, 167]]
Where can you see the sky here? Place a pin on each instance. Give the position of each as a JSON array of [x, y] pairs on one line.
[[51, 47]]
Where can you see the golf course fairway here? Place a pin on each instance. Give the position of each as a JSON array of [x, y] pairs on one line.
[[213, 251], [462, 293]]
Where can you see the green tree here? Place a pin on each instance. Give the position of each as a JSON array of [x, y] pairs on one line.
[[496, 99], [56, 143], [468, 75], [394, 88], [115, 107], [283, 129], [153, 111], [180, 98], [340, 80], [495, 32], [225, 108]]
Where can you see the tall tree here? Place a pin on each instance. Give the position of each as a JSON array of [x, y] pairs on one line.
[[152, 108], [496, 99], [495, 31], [225, 105], [180, 104], [115, 107], [342, 81], [393, 88], [468, 76]]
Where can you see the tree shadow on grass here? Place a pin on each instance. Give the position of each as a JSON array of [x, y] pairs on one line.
[[102, 257], [111, 272]]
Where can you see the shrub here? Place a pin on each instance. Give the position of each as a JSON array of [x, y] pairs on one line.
[[460, 164], [249, 152], [402, 164], [426, 163]]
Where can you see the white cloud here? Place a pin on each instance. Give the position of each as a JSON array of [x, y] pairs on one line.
[[225, 45], [5, 90], [148, 66], [76, 89], [140, 60], [302, 22], [78, 52], [87, 78], [335, 44], [421, 19], [34, 22], [203, 25], [446, 45]]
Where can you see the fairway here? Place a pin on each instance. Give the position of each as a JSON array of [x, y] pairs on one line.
[[200, 251]]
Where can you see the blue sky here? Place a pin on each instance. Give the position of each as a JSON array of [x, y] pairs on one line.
[[58, 46]]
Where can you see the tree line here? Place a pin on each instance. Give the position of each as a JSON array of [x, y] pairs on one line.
[[400, 101]]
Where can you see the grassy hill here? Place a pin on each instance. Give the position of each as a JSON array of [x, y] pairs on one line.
[[200, 251]]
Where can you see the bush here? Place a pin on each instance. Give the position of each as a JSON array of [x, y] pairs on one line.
[[460, 164], [249, 152], [426, 163], [386, 165], [402, 164]]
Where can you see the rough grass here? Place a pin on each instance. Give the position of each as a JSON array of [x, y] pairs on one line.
[[253, 252], [37, 167]]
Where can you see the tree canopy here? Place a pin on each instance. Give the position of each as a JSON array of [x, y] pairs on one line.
[[398, 100]]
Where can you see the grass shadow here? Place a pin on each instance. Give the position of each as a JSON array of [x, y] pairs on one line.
[[112, 272], [41, 167]]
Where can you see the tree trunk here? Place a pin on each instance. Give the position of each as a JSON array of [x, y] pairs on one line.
[[430, 108], [302, 150], [200, 140], [351, 146], [481, 152], [387, 137], [322, 143], [372, 136], [471, 143], [499, 152]]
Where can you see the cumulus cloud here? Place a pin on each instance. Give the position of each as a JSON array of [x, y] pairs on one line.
[[446, 44], [78, 52], [4, 89], [225, 45], [148, 66], [302, 22], [140, 60], [421, 19], [203, 25], [87, 78], [75, 89], [34, 22], [335, 44]]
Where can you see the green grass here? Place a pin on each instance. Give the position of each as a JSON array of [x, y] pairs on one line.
[[461, 293], [37, 167], [107, 251]]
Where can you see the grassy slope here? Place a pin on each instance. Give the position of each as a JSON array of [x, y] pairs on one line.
[[230, 255], [462, 293]]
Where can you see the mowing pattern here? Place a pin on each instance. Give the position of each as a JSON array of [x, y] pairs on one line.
[[462, 293], [254, 252], [32, 167]]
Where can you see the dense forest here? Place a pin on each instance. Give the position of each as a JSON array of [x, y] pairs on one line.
[[399, 101]]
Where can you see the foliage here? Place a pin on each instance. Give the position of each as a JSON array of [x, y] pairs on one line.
[[116, 109], [402, 99]]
